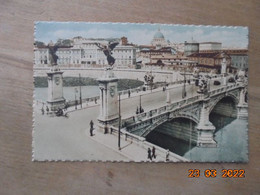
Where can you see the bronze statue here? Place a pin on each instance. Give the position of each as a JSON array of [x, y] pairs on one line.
[[53, 56], [107, 49]]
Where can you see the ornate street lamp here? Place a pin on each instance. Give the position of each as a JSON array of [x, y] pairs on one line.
[[80, 97], [119, 123], [76, 91]]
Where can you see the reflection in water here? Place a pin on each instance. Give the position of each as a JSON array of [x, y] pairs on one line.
[[219, 121]]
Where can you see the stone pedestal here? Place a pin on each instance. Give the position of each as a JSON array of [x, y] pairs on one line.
[[242, 111], [242, 107], [205, 129], [109, 112], [55, 89]]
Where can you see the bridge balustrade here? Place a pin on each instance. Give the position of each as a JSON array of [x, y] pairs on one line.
[[152, 114]]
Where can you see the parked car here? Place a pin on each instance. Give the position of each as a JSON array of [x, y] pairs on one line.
[[216, 83], [231, 80]]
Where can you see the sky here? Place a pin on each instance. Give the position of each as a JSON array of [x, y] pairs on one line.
[[142, 34]]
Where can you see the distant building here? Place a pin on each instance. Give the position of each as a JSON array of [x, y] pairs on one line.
[[159, 40], [210, 46], [85, 52], [41, 56], [211, 61], [190, 48], [64, 55], [239, 58]]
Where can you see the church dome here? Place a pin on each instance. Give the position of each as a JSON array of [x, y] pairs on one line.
[[158, 35]]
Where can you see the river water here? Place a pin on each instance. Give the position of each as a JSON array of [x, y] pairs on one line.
[[231, 136], [68, 92]]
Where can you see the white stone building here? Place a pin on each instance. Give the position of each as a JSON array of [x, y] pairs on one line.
[[210, 46], [239, 61], [64, 55], [41, 56], [86, 52], [190, 47]]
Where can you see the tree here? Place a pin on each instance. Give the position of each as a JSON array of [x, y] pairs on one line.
[[39, 44]]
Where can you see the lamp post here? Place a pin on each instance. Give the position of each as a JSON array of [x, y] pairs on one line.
[[119, 123], [140, 106], [76, 91], [80, 97], [184, 85]]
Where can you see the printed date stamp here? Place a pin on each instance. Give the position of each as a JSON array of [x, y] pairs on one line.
[[225, 173]]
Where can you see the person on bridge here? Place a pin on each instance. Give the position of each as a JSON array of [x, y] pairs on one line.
[[91, 127], [167, 155], [149, 154], [47, 110], [141, 109], [137, 110], [153, 152]]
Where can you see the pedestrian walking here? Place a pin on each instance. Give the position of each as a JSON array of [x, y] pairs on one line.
[[167, 155], [153, 152], [95, 100], [129, 93], [47, 110], [137, 110], [42, 111], [149, 154], [91, 127]]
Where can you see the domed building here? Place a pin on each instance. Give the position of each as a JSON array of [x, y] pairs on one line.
[[159, 40]]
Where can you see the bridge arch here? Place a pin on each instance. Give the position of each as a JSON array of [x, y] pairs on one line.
[[185, 115], [234, 99], [223, 112], [178, 127]]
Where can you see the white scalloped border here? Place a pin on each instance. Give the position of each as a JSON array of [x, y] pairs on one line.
[[131, 161]]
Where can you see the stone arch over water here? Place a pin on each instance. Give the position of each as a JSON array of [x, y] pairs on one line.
[[178, 134], [223, 112]]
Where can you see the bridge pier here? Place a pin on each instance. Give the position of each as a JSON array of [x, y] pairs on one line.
[[109, 103], [205, 128], [242, 107], [55, 90]]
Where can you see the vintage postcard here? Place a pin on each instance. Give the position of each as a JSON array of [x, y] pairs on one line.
[[140, 92]]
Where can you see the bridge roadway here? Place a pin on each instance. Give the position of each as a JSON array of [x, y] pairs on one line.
[[60, 138]]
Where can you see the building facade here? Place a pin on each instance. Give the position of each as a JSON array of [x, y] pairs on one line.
[[211, 61], [85, 52], [210, 46], [41, 56], [190, 48], [239, 58]]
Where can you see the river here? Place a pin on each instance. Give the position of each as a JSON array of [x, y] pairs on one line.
[[68, 92]]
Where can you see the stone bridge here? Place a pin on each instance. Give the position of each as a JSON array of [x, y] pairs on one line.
[[196, 109]]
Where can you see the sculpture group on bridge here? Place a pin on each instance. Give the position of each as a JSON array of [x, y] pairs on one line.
[[107, 50]]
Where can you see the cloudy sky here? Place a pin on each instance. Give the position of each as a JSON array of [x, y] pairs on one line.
[[142, 33]]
